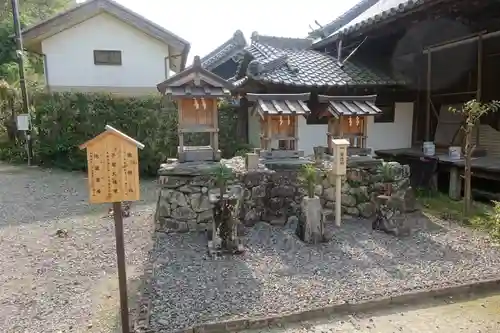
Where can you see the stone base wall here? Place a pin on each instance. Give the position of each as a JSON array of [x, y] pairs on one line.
[[364, 180], [183, 203], [269, 195]]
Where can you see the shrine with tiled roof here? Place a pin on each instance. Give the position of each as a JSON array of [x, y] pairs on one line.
[[288, 68], [375, 48]]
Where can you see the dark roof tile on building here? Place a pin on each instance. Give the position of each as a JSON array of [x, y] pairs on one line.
[[351, 105], [378, 12], [307, 68], [343, 19], [195, 81], [283, 42], [231, 48], [280, 104]]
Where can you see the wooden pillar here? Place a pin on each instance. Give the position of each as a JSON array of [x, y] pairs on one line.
[[215, 135], [455, 187], [365, 132], [340, 128], [242, 122], [268, 133], [180, 127], [479, 79], [416, 110], [428, 99], [296, 132], [330, 134]]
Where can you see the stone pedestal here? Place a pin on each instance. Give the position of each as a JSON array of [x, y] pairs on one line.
[[252, 161], [310, 228], [183, 203], [226, 214]]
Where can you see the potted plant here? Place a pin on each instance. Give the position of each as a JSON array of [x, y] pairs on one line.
[[226, 201], [310, 227], [387, 174]]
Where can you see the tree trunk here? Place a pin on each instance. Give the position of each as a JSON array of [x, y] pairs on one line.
[[468, 173]]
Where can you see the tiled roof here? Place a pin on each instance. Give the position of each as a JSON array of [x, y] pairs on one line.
[[378, 12], [283, 42], [226, 51], [307, 68], [195, 81], [280, 104], [351, 105], [193, 91], [343, 19]]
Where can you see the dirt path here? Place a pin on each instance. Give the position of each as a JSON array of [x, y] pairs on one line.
[[471, 316]]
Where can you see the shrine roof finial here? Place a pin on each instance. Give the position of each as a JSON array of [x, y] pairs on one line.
[[197, 61]]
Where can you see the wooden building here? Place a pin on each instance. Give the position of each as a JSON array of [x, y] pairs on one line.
[[448, 52], [282, 67]]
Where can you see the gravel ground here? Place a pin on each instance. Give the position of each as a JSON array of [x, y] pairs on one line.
[[467, 316], [279, 274], [63, 284]]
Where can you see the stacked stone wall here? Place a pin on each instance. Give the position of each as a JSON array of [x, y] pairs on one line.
[[269, 195]]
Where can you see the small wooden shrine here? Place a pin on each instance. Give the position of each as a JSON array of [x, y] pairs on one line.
[[348, 118], [197, 92], [279, 121]]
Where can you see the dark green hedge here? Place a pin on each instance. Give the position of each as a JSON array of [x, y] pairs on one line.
[[62, 121]]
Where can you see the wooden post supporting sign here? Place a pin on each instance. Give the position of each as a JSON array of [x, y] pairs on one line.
[[113, 177]]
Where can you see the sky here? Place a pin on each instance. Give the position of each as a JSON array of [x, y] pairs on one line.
[[208, 24]]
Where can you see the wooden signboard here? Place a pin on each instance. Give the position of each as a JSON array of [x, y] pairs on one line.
[[113, 167]]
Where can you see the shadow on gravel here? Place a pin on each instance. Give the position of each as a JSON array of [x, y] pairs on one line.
[[431, 255], [278, 273], [188, 288]]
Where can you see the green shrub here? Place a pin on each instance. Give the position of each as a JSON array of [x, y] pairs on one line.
[[490, 222], [63, 121], [12, 153]]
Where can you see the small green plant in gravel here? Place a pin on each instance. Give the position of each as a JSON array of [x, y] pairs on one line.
[[224, 207], [309, 177], [482, 216], [490, 222], [387, 172]]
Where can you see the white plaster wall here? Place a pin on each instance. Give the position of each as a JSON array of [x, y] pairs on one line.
[[70, 55], [311, 136], [392, 135]]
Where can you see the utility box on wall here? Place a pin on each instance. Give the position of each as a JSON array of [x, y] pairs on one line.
[[340, 156]]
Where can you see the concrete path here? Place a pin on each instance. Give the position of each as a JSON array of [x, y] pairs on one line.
[[469, 316]]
